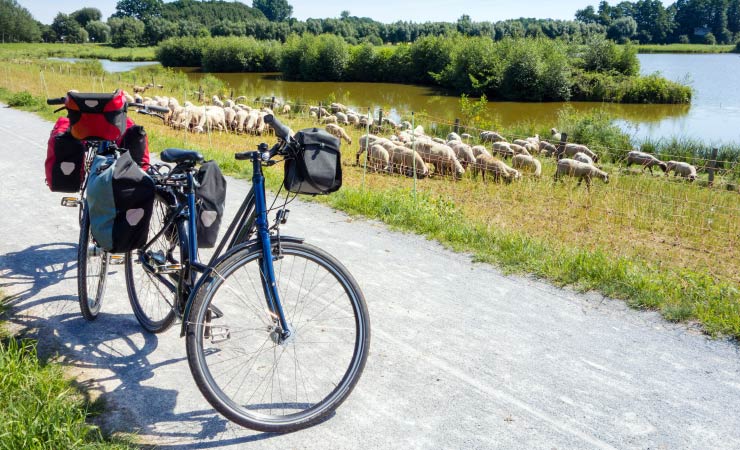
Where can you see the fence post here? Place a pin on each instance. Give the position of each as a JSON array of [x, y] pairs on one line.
[[561, 145], [321, 107], [413, 148], [712, 165], [367, 146], [457, 126], [200, 94], [232, 94], [380, 117]]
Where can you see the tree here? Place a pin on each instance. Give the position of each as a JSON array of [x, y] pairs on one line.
[[67, 29], [587, 15], [86, 15], [157, 29], [98, 31], [139, 9], [17, 24], [126, 31], [622, 29], [274, 10], [344, 15]]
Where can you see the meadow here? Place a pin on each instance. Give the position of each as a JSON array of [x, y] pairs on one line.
[[655, 241]]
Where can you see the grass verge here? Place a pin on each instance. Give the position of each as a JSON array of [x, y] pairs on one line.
[[39, 407], [685, 48], [102, 51]]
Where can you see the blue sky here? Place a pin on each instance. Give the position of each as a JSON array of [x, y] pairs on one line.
[[381, 10]]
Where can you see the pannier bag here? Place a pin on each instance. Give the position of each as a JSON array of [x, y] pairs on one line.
[[317, 168], [135, 140], [210, 198], [120, 197], [96, 116], [65, 157]]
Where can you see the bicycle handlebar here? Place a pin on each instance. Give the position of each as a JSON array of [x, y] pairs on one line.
[[55, 101], [282, 131], [154, 108]]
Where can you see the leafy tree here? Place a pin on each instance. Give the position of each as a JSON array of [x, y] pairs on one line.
[[157, 29], [139, 9], [86, 15], [344, 15], [98, 31], [587, 15], [709, 39], [17, 24], [622, 29], [274, 10], [67, 29], [126, 31]]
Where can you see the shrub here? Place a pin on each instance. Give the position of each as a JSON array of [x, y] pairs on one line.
[[24, 99], [684, 39], [602, 55], [234, 54], [709, 39], [181, 52]]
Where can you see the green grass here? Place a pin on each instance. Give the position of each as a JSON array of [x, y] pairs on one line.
[[39, 407], [684, 48], [41, 50]]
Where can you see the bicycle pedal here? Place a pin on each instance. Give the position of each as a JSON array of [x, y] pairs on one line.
[[217, 333], [71, 202], [117, 259], [168, 268]]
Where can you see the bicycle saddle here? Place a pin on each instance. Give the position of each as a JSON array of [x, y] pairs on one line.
[[178, 155]]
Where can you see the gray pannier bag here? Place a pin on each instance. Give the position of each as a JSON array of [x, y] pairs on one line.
[[210, 196], [120, 197]]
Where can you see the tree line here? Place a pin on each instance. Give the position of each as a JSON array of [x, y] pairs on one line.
[[148, 22]]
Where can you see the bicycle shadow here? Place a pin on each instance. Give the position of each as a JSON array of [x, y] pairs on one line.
[[112, 357]]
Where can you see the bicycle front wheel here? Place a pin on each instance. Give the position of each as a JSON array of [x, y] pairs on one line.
[[92, 270], [152, 274], [242, 365]]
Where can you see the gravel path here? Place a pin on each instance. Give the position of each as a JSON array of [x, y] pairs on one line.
[[462, 356]]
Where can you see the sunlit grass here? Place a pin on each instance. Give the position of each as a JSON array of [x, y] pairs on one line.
[[657, 242], [42, 50], [684, 48]]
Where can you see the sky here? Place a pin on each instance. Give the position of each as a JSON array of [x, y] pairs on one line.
[[381, 10]]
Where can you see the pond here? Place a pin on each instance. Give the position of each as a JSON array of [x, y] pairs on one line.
[[113, 66], [713, 116]]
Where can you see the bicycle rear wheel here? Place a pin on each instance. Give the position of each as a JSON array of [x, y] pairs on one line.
[[243, 367], [92, 270], [151, 275]]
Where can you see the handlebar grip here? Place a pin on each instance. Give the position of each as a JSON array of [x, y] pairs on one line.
[[55, 101], [161, 109], [281, 130]]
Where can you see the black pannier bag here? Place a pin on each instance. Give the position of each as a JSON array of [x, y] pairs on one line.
[[65, 157], [135, 140], [210, 197], [96, 116], [317, 168], [120, 197]]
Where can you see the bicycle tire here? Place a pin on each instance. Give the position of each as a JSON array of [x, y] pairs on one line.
[[297, 268], [92, 270], [151, 299]]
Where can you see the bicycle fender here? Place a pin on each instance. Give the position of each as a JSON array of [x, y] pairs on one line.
[[206, 276]]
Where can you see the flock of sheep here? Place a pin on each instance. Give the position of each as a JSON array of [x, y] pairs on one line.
[[408, 151]]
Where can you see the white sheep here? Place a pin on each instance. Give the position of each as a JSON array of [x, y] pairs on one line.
[[405, 160], [466, 136], [646, 160], [479, 150], [463, 152], [328, 119], [584, 158], [686, 170], [441, 156], [341, 118], [518, 149], [582, 171], [339, 132], [556, 135], [547, 149], [503, 149], [527, 163], [453, 137], [378, 158], [572, 149], [497, 168], [286, 109], [491, 136]]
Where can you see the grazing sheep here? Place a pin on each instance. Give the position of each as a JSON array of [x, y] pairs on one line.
[[527, 163], [328, 119], [240, 119], [229, 103], [229, 116], [286, 109], [547, 149], [518, 149], [439, 140], [405, 125], [497, 168], [556, 135], [341, 118], [528, 145], [241, 98], [584, 158], [378, 158], [365, 122], [390, 122], [216, 101], [419, 130], [353, 119], [140, 89], [404, 160], [440, 155], [503, 149], [466, 136], [339, 132], [463, 152], [491, 136], [338, 107], [582, 171], [479, 150], [453, 137], [572, 149], [646, 160], [686, 170]]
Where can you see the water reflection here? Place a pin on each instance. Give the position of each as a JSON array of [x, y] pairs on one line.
[[111, 66]]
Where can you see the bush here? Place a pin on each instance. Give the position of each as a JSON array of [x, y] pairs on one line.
[[602, 55], [315, 58], [709, 39], [234, 54], [684, 39], [24, 99], [181, 52]]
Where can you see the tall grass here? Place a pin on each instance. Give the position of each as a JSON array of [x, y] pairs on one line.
[[684, 48], [102, 51], [658, 243]]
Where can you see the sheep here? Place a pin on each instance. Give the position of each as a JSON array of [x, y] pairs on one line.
[[339, 132], [479, 150], [140, 89], [530, 146], [466, 136], [365, 142], [241, 98], [328, 119], [439, 140], [547, 149], [405, 125], [497, 168], [229, 116], [216, 101], [454, 137], [419, 131], [518, 149], [229, 103], [364, 122], [491, 136], [646, 160], [286, 109], [584, 158], [504, 149], [580, 170], [463, 152], [442, 156], [556, 135], [341, 118], [686, 170], [337, 107], [390, 122], [353, 119], [527, 162], [239, 120], [378, 158], [404, 161], [572, 149]]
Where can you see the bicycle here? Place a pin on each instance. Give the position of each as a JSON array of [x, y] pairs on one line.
[[92, 261], [277, 331]]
